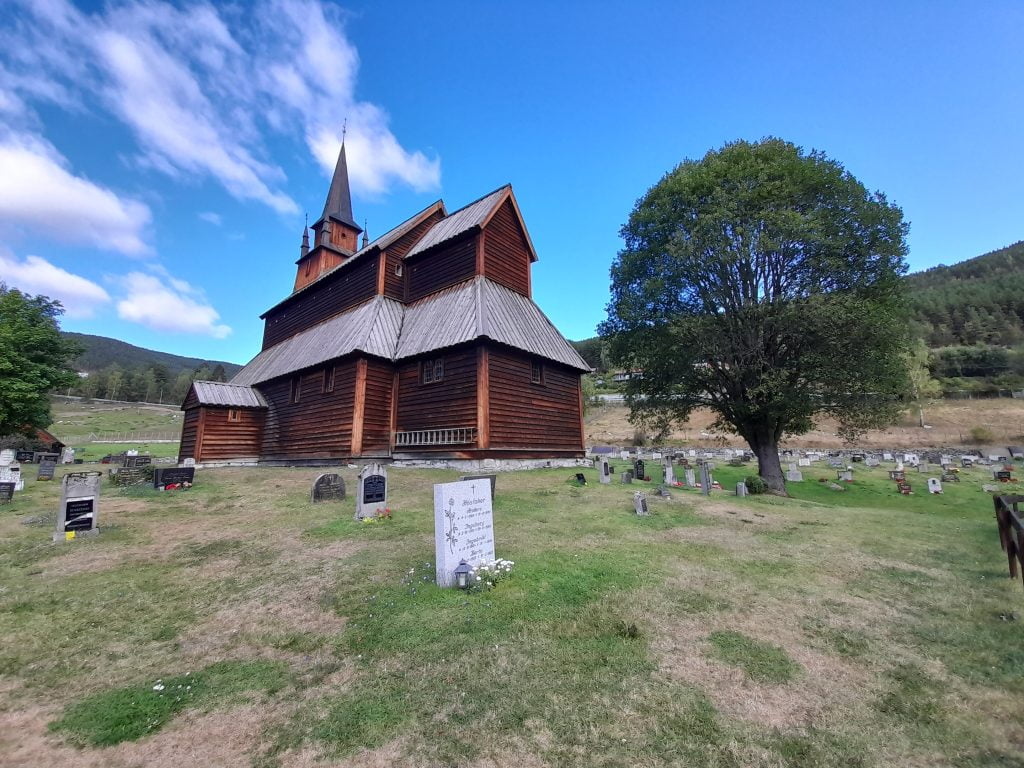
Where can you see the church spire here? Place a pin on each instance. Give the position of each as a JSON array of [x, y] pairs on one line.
[[339, 199], [366, 235], [305, 239]]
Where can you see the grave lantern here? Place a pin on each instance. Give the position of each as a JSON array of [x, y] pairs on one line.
[[462, 573]]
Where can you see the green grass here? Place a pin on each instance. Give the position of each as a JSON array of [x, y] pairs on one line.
[[761, 662], [127, 714], [589, 653]]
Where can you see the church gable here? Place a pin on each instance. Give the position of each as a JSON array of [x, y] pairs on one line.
[[508, 252]]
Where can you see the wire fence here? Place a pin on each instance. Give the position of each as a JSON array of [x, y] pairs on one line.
[[133, 436]]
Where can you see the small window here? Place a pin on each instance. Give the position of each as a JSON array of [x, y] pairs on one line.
[[398, 269], [432, 371], [309, 267], [537, 372], [294, 396], [234, 415], [329, 379]]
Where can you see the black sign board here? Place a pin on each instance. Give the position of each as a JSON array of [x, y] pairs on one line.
[[137, 461], [46, 470], [78, 515], [328, 487], [23, 457], [638, 469], [492, 479], [374, 489], [1004, 476], [6, 492], [173, 476]]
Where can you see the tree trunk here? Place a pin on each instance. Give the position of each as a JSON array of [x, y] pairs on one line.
[[766, 447]]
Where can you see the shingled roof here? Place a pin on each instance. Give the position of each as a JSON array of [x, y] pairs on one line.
[[229, 394], [382, 327]]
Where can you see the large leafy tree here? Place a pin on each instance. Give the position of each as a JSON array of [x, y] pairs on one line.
[[34, 360], [762, 282]]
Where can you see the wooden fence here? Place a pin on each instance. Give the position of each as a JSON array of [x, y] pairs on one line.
[[1011, 530]]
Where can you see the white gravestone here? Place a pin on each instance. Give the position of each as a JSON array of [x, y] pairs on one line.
[[67, 456], [691, 478], [11, 473], [463, 527], [603, 471], [656, 456], [79, 505], [7, 456], [741, 489], [670, 475], [794, 476], [624, 455], [934, 485], [886, 456], [372, 493], [804, 462]]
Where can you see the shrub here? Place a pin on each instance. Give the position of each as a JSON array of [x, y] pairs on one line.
[[755, 484], [982, 435], [639, 437]]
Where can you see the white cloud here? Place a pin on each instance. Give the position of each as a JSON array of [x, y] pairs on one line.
[[205, 87], [39, 192], [35, 275], [164, 303], [211, 218]]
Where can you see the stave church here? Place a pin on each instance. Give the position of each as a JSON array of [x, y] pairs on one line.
[[423, 345]]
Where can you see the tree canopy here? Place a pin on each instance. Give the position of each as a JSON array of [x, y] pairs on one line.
[[764, 283], [34, 360]]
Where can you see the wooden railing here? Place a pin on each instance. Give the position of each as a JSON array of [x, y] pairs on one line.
[[1011, 530], [448, 436]]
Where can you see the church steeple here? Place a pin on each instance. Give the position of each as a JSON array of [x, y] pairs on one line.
[[304, 248], [338, 205]]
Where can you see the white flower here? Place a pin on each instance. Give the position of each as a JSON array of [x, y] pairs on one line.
[[158, 687]]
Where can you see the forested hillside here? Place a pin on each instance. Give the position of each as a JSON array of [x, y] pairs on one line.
[[979, 301], [115, 370]]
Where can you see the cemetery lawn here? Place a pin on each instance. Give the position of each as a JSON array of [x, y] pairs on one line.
[[236, 624]]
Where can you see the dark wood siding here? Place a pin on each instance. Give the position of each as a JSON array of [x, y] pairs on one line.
[[349, 286], [319, 425], [530, 415], [448, 403], [377, 411], [191, 401], [224, 439], [394, 285], [449, 264], [189, 426], [506, 253]]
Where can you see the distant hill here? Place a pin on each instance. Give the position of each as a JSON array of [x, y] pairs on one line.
[[978, 301], [102, 352]]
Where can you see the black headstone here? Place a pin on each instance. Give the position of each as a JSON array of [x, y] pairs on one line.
[[1004, 476], [581, 478], [46, 470], [328, 487], [173, 476], [374, 489], [638, 469], [23, 457], [6, 492]]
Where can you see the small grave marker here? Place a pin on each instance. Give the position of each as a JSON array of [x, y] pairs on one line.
[[934, 485], [741, 489], [705, 479], [329, 486], [898, 475], [950, 477], [845, 475], [6, 493], [640, 504], [794, 476], [172, 478], [904, 488], [966, 462], [638, 469], [463, 527], [670, 475], [23, 457], [626, 477], [581, 479], [372, 492], [603, 471], [691, 478], [46, 470], [871, 461], [886, 456], [804, 462], [79, 505]]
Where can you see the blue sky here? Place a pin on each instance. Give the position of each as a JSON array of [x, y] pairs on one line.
[[156, 159]]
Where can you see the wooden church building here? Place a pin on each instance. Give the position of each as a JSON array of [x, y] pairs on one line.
[[422, 345]]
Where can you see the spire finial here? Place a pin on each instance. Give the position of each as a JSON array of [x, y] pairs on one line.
[[344, 129], [304, 249], [366, 236]]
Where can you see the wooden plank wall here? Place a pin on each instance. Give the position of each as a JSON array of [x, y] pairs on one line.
[[349, 286], [189, 426], [450, 264], [394, 285], [506, 255], [319, 425], [377, 409], [449, 403], [527, 415], [223, 439]]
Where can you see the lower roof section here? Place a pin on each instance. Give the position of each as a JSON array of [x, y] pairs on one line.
[[382, 327], [222, 393]]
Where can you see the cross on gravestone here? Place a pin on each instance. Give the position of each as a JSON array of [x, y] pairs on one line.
[[691, 478], [372, 492], [670, 475], [173, 478], [79, 505], [603, 472], [463, 527], [329, 486], [640, 504], [934, 485], [741, 489], [626, 477], [491, 479], [46, 470], [6, 493]]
